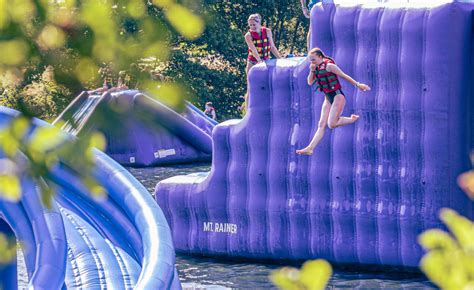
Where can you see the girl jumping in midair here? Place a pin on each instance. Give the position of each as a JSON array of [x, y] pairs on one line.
[[324, 72]]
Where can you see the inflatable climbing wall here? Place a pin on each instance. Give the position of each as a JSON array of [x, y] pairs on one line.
[[370, 188]]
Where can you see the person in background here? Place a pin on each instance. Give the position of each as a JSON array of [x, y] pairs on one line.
[[307, 14], [260, 42], [210, 111]]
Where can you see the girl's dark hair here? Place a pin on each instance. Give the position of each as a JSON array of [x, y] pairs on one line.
[[318, 51]]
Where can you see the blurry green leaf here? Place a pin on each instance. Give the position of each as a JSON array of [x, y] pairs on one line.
[[461, 227], [4, 17], [7, 249], [21, 10], [436, 239], [186, 23], [98, 141], [8, 143], [51, 37], [86, 70], [95, 189], [45, 138], [449, 260], [20, 127], [163, 3], [47, 194], [158, 50], [136, 8], [10, 188], [13, 52], [315, 274], [284, 280], [169, 93]]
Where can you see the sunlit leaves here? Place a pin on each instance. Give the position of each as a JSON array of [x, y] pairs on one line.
[[314, 275], [10, 188], [8, 249], [86, 69], [185, 22], [169, 94], [51, 37], [449, 261], [36, 154], [20, 11], [136, 8], [4, 17], [13, 52], [78, 37]]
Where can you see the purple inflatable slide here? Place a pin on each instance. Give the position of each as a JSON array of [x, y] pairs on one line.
[[369, 189], [140, 130]]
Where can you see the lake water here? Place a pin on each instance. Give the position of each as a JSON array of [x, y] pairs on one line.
[[208, 273]]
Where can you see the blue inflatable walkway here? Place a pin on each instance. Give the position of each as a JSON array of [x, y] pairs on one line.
[[140, 130], [119, 242]]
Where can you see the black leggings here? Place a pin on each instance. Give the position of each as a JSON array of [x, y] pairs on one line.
[[330, 96]]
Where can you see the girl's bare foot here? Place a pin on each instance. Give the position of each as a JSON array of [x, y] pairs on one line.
[[354, 118], [305, 151]]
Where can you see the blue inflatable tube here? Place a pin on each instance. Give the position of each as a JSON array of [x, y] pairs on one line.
[[120, 242], [105, 215], [148, 219]]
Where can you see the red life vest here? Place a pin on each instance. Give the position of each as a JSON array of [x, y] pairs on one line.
[[262, 44], [326, 81]]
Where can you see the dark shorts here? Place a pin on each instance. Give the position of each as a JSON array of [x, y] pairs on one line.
[[330, 96]]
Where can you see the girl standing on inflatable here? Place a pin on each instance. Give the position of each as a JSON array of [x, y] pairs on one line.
[[260, 42], [324, 72]]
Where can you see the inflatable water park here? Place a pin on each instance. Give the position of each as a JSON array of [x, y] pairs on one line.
[[119, 242], [369, 189], [140, 130], [362, 198]]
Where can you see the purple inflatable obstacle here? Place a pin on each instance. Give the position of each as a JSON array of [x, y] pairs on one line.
[[369, 189], [140, 130], [119, 242]]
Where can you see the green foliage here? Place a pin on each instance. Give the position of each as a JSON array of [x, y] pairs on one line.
[[43, 97], [38, 154], [449, 261], [8, 249], [314, 275], [77, 38], [213, 66]]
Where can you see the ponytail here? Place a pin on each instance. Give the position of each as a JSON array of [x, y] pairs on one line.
[[320, 53]]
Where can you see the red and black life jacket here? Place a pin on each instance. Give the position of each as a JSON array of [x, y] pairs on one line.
[[262, 44], [326, 81]]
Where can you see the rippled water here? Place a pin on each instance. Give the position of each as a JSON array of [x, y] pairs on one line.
[[208, 273]]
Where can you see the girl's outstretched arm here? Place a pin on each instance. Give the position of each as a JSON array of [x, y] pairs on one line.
[[253, 49], [273, 48], [336, 70]]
